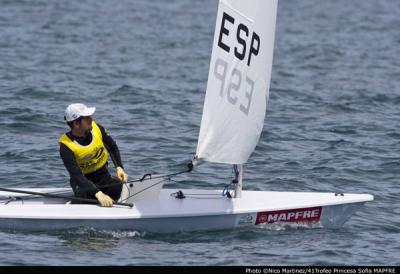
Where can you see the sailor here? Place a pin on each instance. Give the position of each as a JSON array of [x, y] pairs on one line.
[[84, 151]]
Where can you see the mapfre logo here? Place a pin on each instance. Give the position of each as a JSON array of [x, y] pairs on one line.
[[312, 214]]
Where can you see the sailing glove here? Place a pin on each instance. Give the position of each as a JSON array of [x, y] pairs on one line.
[[122, 176], [104, 199]]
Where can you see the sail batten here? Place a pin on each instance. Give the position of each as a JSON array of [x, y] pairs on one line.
[[238, 81]]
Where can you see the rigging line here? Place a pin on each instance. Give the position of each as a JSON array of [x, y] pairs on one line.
[[129, 192], [55, 193], [163, 176], [190, 195], [144, 189], [145, 177], [204, 198], [211, 194], [189, 169], [167, 176]]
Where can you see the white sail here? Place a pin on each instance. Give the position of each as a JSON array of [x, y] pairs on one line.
[[238, 80]]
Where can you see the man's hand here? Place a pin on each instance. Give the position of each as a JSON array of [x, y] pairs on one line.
[[122, 176], [104, 199]]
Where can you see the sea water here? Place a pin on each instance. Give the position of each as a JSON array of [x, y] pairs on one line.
[[332, 122]]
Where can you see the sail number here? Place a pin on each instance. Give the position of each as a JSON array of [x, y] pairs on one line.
[[232, 82], [235, 83], [241, 31]]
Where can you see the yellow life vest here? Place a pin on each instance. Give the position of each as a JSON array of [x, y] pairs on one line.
[[91, 157]]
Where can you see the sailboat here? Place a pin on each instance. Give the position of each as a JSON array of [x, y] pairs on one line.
[[231, 125]]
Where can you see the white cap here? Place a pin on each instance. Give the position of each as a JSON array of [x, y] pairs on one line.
[[74, 111]]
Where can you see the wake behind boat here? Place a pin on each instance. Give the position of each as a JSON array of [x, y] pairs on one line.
[[232, 122]]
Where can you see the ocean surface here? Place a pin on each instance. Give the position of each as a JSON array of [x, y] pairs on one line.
[[332, 122]]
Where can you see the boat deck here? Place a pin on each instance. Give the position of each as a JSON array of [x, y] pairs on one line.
[[196, 203]]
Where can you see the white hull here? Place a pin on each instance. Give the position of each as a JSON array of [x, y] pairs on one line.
[[200, 210]]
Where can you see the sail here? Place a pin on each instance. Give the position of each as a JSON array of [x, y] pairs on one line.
[[238, 81]]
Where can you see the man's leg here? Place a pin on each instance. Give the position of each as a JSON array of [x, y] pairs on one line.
[[81, 193], [111, 187], [108, 185]]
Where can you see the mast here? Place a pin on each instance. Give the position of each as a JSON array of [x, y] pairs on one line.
[[238, 181]]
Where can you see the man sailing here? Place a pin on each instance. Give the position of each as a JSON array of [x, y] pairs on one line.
[[84, 150]]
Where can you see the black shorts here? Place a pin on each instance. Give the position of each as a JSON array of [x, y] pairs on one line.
[[107, 184], [110, 186]]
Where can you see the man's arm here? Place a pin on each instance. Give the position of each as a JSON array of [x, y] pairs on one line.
[[111, 147], [75, 171]]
